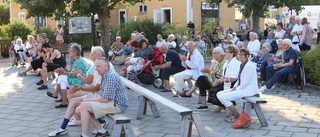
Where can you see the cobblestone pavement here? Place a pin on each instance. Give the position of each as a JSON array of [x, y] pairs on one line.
[[26, 111]]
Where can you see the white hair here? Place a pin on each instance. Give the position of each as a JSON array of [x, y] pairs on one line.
[[297, 18], [219, 49], [254, 34], [267, 45], [184, 37], [240, 44], [287, 41], [230, 35], [171, 35], [99, 50]]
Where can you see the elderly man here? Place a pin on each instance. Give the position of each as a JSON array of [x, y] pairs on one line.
[[290, 27], [297, 34], [193, 63], [274, 72], [200, 44], [172, 66], [113, 100]]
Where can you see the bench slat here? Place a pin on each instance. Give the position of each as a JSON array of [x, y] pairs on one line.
[[255, 100], [119, 118], [155, 97]]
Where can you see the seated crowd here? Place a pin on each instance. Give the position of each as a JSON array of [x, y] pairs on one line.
[[92, 91]]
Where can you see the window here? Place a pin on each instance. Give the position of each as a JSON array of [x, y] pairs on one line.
[[22, 16], [142, 8]]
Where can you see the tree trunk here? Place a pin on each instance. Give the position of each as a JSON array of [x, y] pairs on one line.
[[104, 30], [255, 22]]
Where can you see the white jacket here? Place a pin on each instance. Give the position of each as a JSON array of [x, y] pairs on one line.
[[196, 63], [249, 82]]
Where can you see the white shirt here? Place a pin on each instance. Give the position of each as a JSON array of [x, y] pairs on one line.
[[172, 44], [235, 40], [58, 36], [297, 28], [279, 34], [196, 63], [159, 43], [183, 46], [248, 80], [231, 68], [254, 47], [243, 26], [17, 47]]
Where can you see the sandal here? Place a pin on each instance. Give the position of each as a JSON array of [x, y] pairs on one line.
[[22, 73], [218, 109], [231, 119]]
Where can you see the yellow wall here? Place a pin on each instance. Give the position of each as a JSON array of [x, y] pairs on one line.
[[15, 10]]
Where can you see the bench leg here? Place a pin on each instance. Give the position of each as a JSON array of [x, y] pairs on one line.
[[186, 126], [247, 106], [116, 131], [141, 106], [261, 117], [154, 109], [198, 123], [128, 130]]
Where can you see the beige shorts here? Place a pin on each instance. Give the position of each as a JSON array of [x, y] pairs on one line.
[[88, 95], [102, 109]]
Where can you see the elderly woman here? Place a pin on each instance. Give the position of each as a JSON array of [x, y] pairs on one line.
[[160, 41], [240, 45], [262, 60], [21, 50], [254, 44], [307, 34], [30, 46], [171, 43], [183, 45], [247, 85], [205, 82], [66, 78], [115, 48]]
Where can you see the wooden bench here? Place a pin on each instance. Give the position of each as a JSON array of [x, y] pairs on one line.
[[63, 48], [254, 102], [148, 97], [121, 127]]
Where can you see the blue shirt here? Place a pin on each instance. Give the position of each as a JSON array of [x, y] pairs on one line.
[[269, 41], [290, 54], [290, 27], [174, 58], [112, 88]]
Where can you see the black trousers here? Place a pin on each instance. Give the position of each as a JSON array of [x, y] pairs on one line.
[[318, 38]]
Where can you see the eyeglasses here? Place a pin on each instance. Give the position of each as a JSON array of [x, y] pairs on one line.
[[215, 53], [241, 54]]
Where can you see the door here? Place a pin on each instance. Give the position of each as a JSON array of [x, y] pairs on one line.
[[167, 15], [122, 16], [157, 16]]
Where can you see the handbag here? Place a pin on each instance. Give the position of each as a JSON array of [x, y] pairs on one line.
[[227, 85]]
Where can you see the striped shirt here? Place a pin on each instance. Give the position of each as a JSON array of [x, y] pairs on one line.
[[112, 88]]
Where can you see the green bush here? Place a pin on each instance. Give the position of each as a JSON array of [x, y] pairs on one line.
[[85, 40], [16, 28], [312, 65], [147, 26], [178, 32]]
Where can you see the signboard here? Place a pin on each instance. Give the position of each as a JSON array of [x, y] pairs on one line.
[[207, 6], [80, 25]]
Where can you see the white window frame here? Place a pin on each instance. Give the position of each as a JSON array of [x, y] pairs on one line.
[[22, 16], [144, 8]]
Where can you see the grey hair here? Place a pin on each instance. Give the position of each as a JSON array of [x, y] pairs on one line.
[[99, 50], [219, 49], [184, 37], [171, 35], [104, 60], [254, 34], [159, 36], [230, 35], [240, 44], [287, 41], [267, 45], [76, 48], [192, 43]]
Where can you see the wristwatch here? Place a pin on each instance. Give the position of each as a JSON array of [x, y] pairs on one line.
[[78, 75]]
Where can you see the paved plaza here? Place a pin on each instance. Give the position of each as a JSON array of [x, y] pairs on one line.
[[28, 112]]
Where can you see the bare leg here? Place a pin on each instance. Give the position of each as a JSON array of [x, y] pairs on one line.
[[193, 89], [56, 91], [44, 73], [64, 96], [233, 110], [72, 107], [203, 101], [166, 84], [87, 117]]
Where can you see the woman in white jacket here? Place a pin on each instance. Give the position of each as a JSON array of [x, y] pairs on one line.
[[21, 50], [254, 44], [246, 85]]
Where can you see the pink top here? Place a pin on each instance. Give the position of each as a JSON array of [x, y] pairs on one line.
[[309, 34]]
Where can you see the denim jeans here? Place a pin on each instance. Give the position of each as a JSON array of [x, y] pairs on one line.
[[263, 69], [126, 51], [274, 74]]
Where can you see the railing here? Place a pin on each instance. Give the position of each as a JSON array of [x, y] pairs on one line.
[[4, 47]]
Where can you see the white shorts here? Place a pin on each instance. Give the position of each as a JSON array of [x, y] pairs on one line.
[[63, 81], [102, 109]]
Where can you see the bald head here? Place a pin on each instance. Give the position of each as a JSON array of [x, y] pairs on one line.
[[164, 48]]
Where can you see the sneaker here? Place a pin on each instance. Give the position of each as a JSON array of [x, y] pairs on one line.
[[102, 134], [104, 125], [74, 122], [263, 89], [40, 82], [57, 132], [43, 87], [202, 108]]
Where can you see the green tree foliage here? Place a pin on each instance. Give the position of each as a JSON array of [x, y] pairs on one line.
[[4, 14], [17, 28], [173, 28], [258, 8], [49, 32], [147, 26]]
